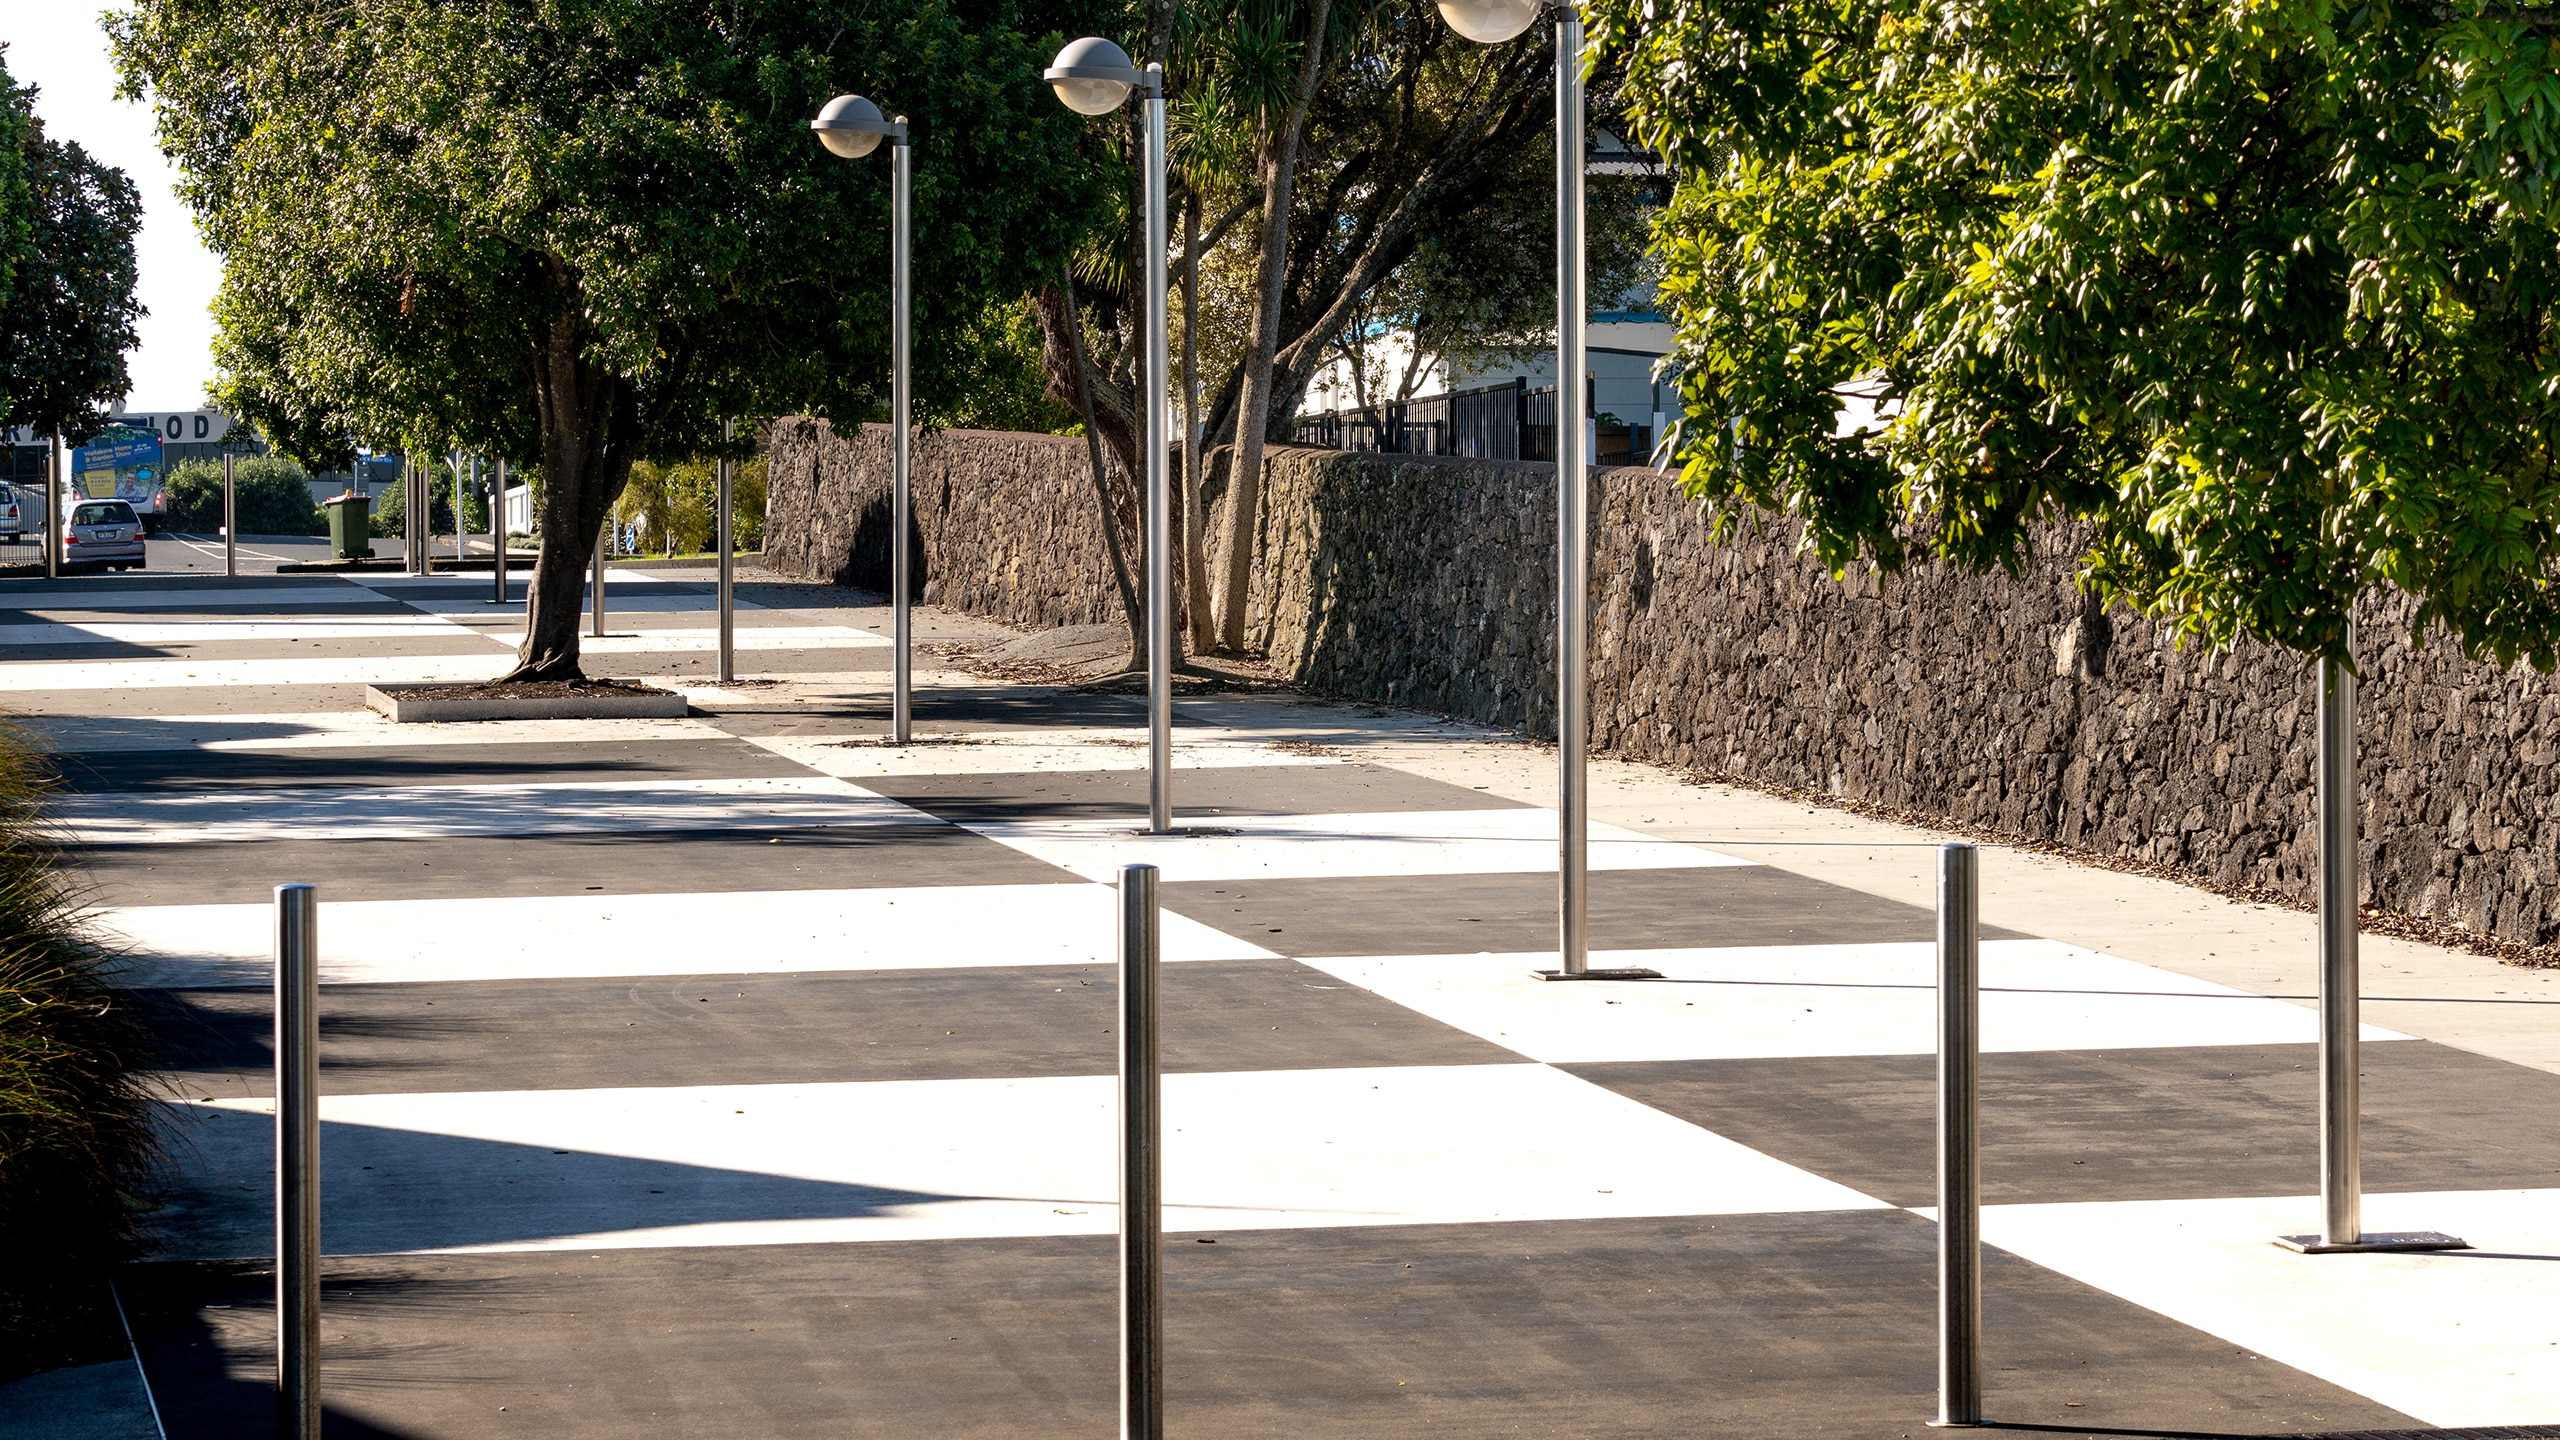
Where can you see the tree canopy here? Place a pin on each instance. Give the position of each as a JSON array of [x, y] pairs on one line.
[[2263, 294], [581, 232], [67, 276]]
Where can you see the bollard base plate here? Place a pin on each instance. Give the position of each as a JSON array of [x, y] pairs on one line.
[[1957, 1424], [1185, 832], [1626, 972], [2374, 1242]]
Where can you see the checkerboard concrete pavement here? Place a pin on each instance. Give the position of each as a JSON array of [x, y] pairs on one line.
[[743, 1075]]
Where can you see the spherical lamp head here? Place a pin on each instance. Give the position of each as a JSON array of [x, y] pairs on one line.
[[1490, 22], [1092, 76], [850, 126]]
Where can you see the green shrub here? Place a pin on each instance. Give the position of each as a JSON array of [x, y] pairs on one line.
[[675, 506], [273, 495], [77, 1145], [391, 509]]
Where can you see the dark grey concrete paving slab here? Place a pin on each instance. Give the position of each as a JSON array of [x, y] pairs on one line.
[[139, 701], [1464, 914], [783, 1029], [1202, 794], [1770, 1327], [37, 590], [341, 766], [667, 862], [351, 604], [351, 651], [2183, 1123], [938, 708], [761, 659]]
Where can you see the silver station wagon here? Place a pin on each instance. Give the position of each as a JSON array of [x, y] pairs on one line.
[[104, 533]]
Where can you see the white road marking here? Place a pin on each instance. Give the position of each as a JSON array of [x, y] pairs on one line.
[[942, 1159], [763, 932], [1804, 1000]]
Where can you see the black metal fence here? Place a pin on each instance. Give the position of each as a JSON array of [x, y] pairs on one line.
[[1509, 421]]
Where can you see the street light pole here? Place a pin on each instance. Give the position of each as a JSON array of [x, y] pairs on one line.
[[853, 127], [1573, 524], [1094, 77], [1495, 22], [901, 439], [1157, 433]]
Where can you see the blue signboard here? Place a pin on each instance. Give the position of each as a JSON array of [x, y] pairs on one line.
[[117, 449]]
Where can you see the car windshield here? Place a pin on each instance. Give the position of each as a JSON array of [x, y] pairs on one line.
[[102, 515]]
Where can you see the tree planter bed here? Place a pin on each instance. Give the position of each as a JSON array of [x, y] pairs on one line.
[[525, 700]]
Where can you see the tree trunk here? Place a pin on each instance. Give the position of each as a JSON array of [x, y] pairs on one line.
[[1195, 519], [591, 433], [1279, 169]]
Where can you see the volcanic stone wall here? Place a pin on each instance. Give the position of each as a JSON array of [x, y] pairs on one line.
[[2008, 703], [1005, 524]]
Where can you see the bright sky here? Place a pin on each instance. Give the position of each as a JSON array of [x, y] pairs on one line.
[[59, 48]]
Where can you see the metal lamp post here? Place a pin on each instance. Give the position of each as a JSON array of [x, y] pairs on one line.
[[1094, 77], [853, 127], [1493, 22]]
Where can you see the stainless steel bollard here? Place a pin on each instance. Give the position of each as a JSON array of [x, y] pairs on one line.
[[2341, 993], [1959, 1138], [1141, 1162], [597, 605], [2341, 980], [498, 531], [53, 508], [298, 1162], [728, 575], [230, 522]]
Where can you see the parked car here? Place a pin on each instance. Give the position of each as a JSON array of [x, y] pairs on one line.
[[104, 533], [13, 517]]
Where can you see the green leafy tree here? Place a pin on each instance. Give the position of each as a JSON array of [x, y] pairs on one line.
[[16, 116], [69, 317], [585, 231], [2264, 295]]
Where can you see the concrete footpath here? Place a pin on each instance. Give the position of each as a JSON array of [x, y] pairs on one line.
[[743, 1074]]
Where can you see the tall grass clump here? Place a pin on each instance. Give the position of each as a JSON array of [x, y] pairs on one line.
[[77, 1143]]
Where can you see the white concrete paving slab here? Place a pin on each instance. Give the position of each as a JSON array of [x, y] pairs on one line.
[[1274, 847], [741, 933], [2465, 1338], [943, 1159], [1805, 1000], [154, 674], [422, 811]]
